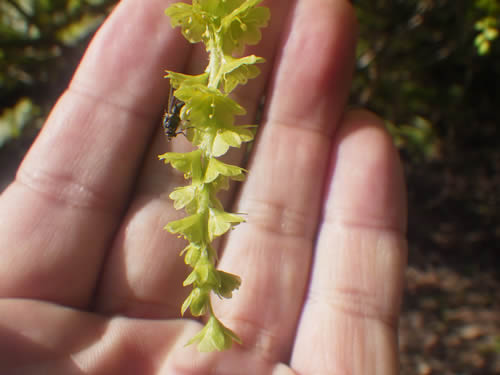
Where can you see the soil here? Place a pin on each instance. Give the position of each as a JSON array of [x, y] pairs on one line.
[[451, 314]]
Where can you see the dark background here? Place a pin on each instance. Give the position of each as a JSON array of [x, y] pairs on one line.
[[422, 66]]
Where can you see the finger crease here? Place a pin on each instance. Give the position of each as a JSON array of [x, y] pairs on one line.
[[279, 219], [64, 189], [355, 303], [81, 90], [366, 223], [323, 129]]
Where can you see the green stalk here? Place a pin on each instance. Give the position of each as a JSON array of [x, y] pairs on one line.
[[210, 113]]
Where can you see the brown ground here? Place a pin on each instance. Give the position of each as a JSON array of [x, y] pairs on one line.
[[451, 314]]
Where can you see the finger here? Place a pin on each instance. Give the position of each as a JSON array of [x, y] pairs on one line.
[[59, 216], [273, 250], [42, 338], [348, 324], [144, 273]]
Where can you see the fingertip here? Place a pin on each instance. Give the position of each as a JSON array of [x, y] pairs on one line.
[[126, 59], [367, 185], [315, 66]]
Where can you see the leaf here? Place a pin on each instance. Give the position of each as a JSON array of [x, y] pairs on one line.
[[219, 222], [183, 196], [231, 137], [228, 283], [216, 168], [197, 301], [242, 26], [208, 108], [212, 7], [214, 336], [218, 8], [192, 228], [178, 79], [189, 163], [192, 20], [192, 253], [220, 183], [207, 111], [239, 71], [204, 274]]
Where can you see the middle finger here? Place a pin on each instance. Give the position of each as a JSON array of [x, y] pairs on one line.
[[282, 196]]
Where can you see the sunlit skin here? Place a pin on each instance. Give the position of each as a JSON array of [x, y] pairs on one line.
[[91, 284]]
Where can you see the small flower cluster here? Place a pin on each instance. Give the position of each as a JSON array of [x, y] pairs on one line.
[[225, 27]]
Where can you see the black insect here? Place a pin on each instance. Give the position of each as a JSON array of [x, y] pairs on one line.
[[172, 117]]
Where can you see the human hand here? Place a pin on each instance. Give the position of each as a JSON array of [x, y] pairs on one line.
[[90, 284]]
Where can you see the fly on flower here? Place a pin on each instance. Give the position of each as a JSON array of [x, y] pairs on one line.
[[172, 117]]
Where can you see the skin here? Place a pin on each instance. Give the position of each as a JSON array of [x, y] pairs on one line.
[[90, 284]]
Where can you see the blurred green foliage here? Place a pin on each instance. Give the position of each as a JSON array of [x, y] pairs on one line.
[[417, 137], [13, 120], [36, 39], [419, 63], [487, 26]]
